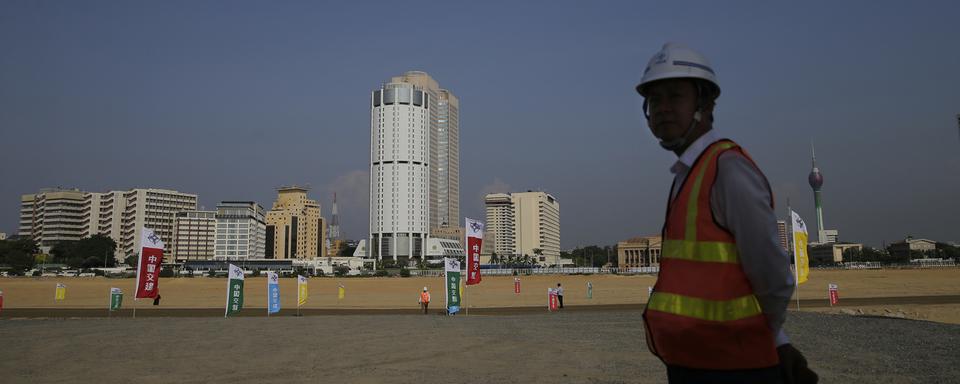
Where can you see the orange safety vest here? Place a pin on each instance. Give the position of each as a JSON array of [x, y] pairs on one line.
[[424, 297], [703, 313]]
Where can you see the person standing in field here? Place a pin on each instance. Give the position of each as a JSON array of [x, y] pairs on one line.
[[560, 295], [717, 310], [424, 300]]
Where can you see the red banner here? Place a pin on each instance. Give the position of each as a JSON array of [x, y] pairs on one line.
[[834, 294], [474, 241], [148, 272], [516, 285], [552, 300], [473, 260], [1, 301]]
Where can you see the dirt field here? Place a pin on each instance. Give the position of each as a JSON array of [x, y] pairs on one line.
[[565, 347], [927, 294], [507, 338]]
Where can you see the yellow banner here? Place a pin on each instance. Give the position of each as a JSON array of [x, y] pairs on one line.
[[61, 292], [301, 291], [800, 248], [340, 293]]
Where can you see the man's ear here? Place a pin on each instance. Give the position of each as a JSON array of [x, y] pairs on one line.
[[706, 108]]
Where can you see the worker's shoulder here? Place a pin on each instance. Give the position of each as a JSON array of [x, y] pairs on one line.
[[737, 164]]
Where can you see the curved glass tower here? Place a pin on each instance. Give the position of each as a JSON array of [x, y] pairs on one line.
[[399, 171]]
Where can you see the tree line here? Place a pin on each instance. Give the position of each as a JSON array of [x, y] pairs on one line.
[[22, 254], [888, 256]]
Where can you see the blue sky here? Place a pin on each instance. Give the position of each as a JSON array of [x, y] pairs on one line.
[[230, 99]]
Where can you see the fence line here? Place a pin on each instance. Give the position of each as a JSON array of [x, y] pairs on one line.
[[655, 270], [543, 271]]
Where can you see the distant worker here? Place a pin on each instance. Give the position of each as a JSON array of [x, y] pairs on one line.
[[559, 295], [424, 300], [717, 309]]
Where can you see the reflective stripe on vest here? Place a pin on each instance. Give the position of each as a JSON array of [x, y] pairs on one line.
[[703, 309], [708, 251], [691, 230]]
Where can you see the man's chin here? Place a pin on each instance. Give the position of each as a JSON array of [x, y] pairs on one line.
[[667, 131], [666, 137]]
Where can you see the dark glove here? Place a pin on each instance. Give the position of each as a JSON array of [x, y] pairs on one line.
[[793, 366]]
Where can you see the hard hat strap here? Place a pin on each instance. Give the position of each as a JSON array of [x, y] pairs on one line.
[[680, 142]]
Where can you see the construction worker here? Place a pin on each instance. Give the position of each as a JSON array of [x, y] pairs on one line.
[[717, 310], [424, 300]]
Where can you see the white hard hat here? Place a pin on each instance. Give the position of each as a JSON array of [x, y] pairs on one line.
[[675, 61], [424, 289]]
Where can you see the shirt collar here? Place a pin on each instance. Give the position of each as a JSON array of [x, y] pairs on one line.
[[694, 150]]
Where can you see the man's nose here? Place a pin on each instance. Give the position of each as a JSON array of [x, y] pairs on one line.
[[660, 108]]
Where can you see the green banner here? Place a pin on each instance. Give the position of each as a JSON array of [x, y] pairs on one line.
[[235, 296], [116, 300], [452, 272], [234, 290]]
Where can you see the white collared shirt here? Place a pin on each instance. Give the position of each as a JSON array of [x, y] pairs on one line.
[[740, 202], [689, 155]]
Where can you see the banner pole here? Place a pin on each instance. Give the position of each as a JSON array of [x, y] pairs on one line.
[[796, 282], [136, 287], [796, 262], [226, 307]]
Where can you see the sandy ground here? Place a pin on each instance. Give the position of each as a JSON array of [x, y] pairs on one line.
[[506, 338], [565, 347], [868, 290]]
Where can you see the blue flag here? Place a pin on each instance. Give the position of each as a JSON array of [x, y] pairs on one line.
[[273, 293]]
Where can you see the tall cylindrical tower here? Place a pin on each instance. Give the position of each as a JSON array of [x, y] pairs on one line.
[[816, 182], [399, 171]]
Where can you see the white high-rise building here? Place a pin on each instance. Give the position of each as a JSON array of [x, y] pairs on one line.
[[500, 222], [448, 160], [154, 209], [443, 112], [400, 184], [241, 231], [103, 215], [52, 215], [193, 236], [538, 225], [523, 222], [70, 214]]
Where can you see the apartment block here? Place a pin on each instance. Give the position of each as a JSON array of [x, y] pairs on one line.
[[194, 234], [535, 218], [241, 231], [155, 209], [294, 227], [52, 215]]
